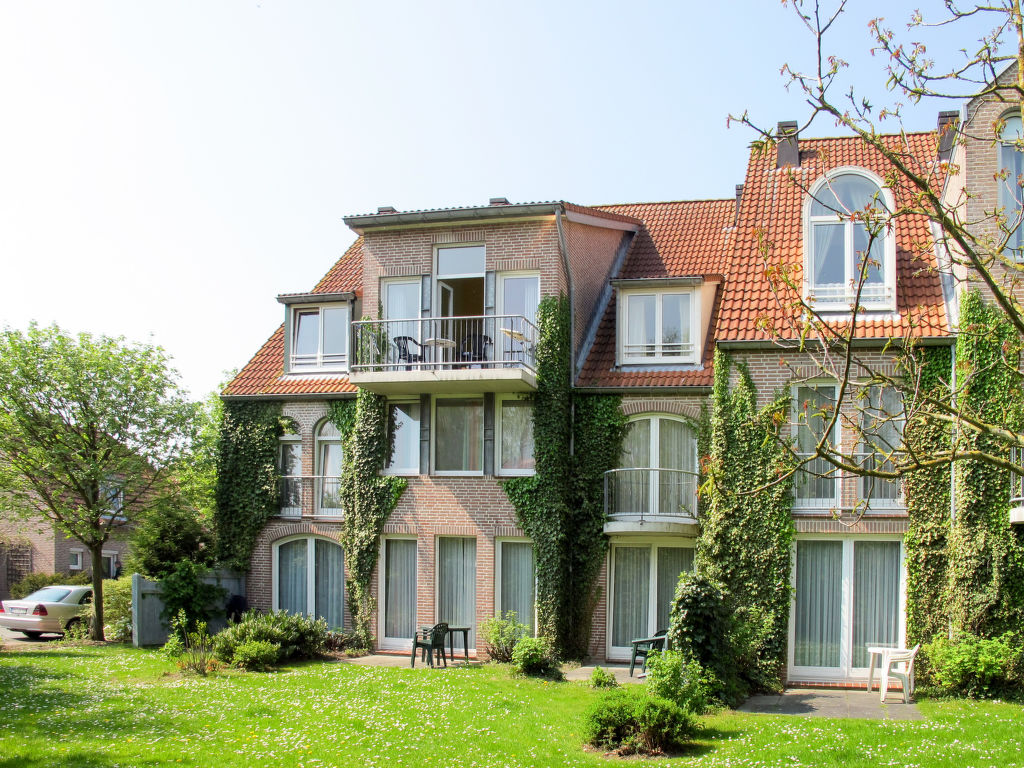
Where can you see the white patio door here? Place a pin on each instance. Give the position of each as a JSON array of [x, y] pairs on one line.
[[456, 583], [848, 596], [399, 590]]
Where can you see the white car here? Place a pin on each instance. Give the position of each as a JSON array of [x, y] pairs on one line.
[[50, 609]]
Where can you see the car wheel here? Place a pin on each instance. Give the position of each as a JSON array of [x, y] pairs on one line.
[[72, 623], [31, 635]]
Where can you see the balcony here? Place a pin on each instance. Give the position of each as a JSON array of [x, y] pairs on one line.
[[481, 353], [1017, 489], [313, 494], [650, 501]]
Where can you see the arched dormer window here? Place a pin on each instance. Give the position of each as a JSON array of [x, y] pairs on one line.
[[1011, 163], [328, 469], [847, 240]]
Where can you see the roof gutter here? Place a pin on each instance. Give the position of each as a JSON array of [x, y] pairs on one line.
[[447, 215], [927, 341]]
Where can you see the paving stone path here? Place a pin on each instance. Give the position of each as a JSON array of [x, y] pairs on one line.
[[819, 702]]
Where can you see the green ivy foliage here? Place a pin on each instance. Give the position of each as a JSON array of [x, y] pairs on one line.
[[986, 554], [746, 518], [927, 498], [577, 439], [367, 496], [247, 491]]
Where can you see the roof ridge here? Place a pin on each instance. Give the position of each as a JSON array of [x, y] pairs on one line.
[[667, 202]]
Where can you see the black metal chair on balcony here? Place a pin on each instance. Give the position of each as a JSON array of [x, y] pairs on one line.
[[474, 348], [406, 355], [643, 646], [430, 641]]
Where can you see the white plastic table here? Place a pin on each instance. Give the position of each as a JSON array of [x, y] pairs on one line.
[[879, 652]]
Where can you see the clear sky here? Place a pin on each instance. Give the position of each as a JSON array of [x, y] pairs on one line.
[[168, 168]]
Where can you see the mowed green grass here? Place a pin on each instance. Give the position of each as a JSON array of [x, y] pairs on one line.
[[117, 706]]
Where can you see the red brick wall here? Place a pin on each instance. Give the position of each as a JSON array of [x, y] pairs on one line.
[[592, 252]]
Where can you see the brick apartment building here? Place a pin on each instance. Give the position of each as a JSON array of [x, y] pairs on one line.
[[654, 288]]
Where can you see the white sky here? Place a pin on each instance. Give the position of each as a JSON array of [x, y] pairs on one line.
[[167, 168]]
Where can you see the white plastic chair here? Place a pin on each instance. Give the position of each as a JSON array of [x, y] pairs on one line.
[[890, 663]]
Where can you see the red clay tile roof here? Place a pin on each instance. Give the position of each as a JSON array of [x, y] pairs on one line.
[[772, 209], [264, 374]]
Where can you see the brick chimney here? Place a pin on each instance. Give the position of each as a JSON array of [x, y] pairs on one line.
[[739, 196], [386, 209], [788, 146], [947, 131], [498, 201]]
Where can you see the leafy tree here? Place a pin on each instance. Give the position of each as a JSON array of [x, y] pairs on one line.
[[92, 429]]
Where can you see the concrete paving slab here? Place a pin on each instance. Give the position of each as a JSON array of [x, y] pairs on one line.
[[828, 702], [620, 671]]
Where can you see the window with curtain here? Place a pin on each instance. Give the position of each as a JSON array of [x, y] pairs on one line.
[[882, 420], [320, 337], [843, 242], [658, 327], [456, 583], [1011, 163], [658, 469], [405, 454], [311, 579], [518, 581], [644, 580], [290, 468], [328, 447], [817, 484], [876, 597], [819, 595], [399, 588], [458, 435], [515, 418], [672, 563]]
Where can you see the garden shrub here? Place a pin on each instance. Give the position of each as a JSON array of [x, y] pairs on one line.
[[602, 678], [183, 589], [758, 648], [348, 643], [197, 655], [165, 536], [977, 667], [298, 637], [631, 720], [500, 635], [256, 655], [117, 609], [683, 680], [35, 581], [535, 656]]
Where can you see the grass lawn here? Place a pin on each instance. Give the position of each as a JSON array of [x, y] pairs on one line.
[[117, 706]]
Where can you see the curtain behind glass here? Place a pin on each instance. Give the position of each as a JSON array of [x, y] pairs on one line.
[[676, 451], [672, 561], [399, 588], [675, 324], [458, 442], [876, 597], [406, 454], [640, 326], [1011, 160], [819, 594], [456, 583], [517, 434], [633, 489], [291, 577], [882, 425], [814, 407], [330, 583], [631, 594], [829, 257], [517, 581]]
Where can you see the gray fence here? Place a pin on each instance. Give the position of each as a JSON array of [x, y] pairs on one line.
[[147, 605]]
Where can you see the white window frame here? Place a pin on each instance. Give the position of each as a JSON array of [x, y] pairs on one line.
[[622, 653], [76, 559], [845, 670], [691, 356], [310, 571], [318, 441], [880, 504], [407, 471], [1009, 190], [394, 643], [290, 439], [498, 434], [817, 504], [316, 362], [499, 541], [111, 557], [514, 274], [434, 432], [887, 303], [654, 462]]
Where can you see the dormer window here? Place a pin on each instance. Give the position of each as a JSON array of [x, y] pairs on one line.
[[658, 325], [320, 338], [848, 244], [1011, 163]]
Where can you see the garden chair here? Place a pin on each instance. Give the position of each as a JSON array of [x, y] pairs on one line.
[[892, 660], [644, 646], [406, 355], [432, 640], [474, 348]]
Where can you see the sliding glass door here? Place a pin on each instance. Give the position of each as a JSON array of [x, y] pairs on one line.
[[456, 583], [399, 592], [516, 581], [848, 596], [309, 578]]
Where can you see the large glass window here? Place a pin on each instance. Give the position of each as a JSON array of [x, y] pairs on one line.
[[456, 583], [458, 261], [405, 456], [328, 452], [516, 580], [458, 435], [882, 432], [643, 585], [515, 429], [310, 574], [817, 484], [290, 466], [320, 337], [399, 590], [658, 469], [843, 240], [659, 327], [1011, 164]]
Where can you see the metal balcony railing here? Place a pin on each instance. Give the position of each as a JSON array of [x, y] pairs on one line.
[[322, 492], [445, 343], [650, 494]]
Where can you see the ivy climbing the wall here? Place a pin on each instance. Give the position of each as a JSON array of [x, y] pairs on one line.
[[561, 508], [367, 496], [247, 491], [746, 522]]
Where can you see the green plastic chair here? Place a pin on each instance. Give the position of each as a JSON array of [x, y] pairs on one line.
[[432, 640], [644, 646]]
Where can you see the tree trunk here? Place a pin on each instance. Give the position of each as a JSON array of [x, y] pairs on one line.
[[96, 632]]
